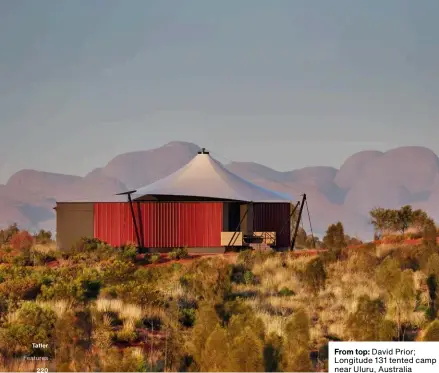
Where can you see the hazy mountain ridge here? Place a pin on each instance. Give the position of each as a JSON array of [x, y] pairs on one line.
[[405, 175]]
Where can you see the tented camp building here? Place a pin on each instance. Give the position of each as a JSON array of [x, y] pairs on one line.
[[202, 206]]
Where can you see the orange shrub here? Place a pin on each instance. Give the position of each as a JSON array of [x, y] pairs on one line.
[[22, 240]]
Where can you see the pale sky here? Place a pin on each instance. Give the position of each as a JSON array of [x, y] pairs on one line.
[[287, 84]]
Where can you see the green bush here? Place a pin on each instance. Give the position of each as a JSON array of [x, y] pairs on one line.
[[285, 292], [42, 258], [6, 234], [43, 237], [314, 275], [178, 253], [118, 271], [155, 258], [32, 324], [126, 335], [187, 316], [128, 252], [248, 277], [368, 322], [20, 289], [208, 278]]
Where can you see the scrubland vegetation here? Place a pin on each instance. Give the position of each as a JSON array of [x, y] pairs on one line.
[[101, 308]]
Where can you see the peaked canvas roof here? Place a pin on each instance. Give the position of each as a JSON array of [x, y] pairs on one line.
[[204, 176]]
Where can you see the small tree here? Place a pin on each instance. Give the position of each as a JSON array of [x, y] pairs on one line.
[[404, 218], [334, 237], [429, 233], [22, 241]]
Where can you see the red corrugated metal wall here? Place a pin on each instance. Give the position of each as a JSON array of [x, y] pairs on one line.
[[272, 217], [113, 223], [161, 224]]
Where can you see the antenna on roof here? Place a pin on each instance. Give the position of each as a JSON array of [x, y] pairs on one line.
[[203, 151]]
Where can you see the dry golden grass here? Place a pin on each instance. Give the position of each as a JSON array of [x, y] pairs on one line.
[[109, 305], [46, 248], [126, 311], [21, 365], [58, 306], [271, 264], [129, 325], [172, 288], [131, 312]]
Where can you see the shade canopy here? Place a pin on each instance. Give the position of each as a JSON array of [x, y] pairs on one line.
[[205, 177]]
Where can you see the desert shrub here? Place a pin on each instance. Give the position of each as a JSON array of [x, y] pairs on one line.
[[272, 353], [90, 251], [70, 342], [295, 350], [23, 259], [128, 252], [402, 300], [118, 271], [334, 237], [368, 322], [237, 274], [187, 316], [388, 274], [156, 257], [248, 277], [126, 360], [82, 288], [205, 323], [178, 253], [362, 259], [314, 275], [32, 323], [237, 314], [246, 258], [43, 237], [41, 258], [154, 275], [432, 266], [207, 278], [126, 335], [8, 233], [432, 332], [138, 293], [246, 352], [22, 240], [429, 234], [285, 292], [215, 354], [20, 289]]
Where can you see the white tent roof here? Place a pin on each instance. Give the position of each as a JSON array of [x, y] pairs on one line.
[[204, 176]]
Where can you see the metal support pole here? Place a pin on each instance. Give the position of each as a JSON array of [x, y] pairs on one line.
[[293, 242]]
